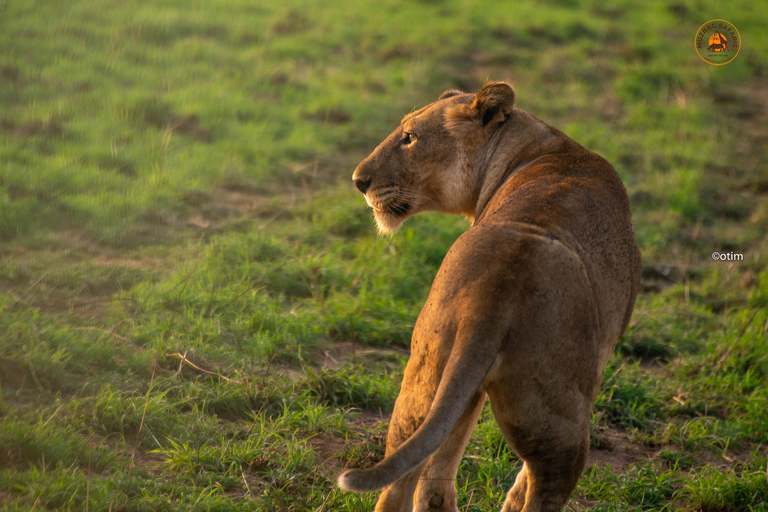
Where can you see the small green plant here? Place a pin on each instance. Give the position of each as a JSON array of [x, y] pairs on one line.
[[628, 400], [349, 387]]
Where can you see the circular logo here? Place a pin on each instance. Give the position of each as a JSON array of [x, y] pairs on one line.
[[717, 42]]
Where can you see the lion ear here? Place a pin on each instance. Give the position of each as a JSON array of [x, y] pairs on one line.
[[494, 102], [491, 106]]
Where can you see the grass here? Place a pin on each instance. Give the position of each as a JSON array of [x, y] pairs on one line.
[[196, 313]]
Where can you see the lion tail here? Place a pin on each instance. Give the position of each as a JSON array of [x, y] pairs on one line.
[[462, 378]]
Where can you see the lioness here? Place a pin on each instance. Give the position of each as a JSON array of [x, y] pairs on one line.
[[527, 305]]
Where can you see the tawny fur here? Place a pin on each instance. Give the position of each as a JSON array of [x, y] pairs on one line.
[[527, 305]]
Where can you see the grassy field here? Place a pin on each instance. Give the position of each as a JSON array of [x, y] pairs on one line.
[[196, 312]]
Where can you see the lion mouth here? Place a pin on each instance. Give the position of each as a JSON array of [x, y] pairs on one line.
[[398, 209], [390, 217], [391, 213], [395, 207]]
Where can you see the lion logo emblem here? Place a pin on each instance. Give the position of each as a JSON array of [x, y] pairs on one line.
[[717, 42]]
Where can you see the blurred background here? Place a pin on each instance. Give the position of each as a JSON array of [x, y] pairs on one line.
[[196, 312]]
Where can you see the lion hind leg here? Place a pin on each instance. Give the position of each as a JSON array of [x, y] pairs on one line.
[[516, 496], [550, 486], [398, 497], [548, 477], [553, 443], [436, 489]]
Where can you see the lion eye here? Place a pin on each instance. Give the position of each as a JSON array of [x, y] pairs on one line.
[[408, 138]]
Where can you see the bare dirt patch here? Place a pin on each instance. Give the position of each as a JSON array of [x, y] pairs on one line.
[[189, 125], [13, 375], [622, 452], [348, 352], [330, 448], [213, 211], [6, 497], [50, 127], [133, 262]]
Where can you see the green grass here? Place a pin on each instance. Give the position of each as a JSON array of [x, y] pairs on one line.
[[196, 312]]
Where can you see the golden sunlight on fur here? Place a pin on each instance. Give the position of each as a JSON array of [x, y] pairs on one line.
[[526, 308]]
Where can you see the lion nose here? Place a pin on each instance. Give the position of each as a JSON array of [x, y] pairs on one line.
[[362, 184]]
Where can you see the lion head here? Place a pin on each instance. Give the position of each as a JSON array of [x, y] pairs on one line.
[[430, 161]]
